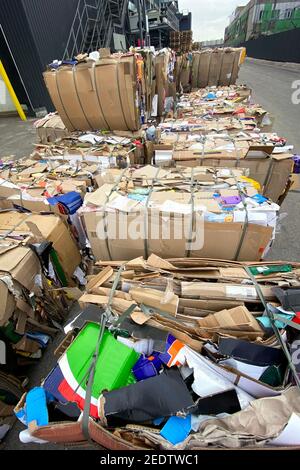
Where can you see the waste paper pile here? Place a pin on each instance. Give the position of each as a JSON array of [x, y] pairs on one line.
[[139, 228], [209, 331]]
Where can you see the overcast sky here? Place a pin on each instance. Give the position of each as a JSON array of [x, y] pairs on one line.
[[210, 17]]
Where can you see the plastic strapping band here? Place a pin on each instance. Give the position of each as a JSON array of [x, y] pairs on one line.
[[2, 237], [62, 103], [155, 311], [146, 234], [287, 322], [105, 214], [79, 100], [192, 202], [91, 372], [98, 97], [238, 159], [119, 94], [268, 175], [246, 223], [275, 329]]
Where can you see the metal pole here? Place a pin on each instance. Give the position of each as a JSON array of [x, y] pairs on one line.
[[146, 25], [10, 51], [139, 8]]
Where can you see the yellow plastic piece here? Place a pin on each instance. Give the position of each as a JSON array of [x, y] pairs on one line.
[[12, 92], [254, 183], [243, 55]]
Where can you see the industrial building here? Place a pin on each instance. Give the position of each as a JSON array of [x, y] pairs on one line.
[[268, 28], [80, 26], [262, 17]]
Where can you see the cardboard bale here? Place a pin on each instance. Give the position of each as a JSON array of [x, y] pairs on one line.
[[227, 67], [215, 67], [204, 67], [96, 96], [109, 212], [236, 65], [226, 354], [272, 172]]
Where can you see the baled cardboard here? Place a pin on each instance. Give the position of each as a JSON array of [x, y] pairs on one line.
[[272, 173], [101, 95], [227, 67], [203, 71], [215, 67]]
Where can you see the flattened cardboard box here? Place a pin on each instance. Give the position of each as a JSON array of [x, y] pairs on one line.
[[22, 265], [51, 228], [221, 240]]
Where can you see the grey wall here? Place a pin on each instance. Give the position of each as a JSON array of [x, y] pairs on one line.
[[37, 32]]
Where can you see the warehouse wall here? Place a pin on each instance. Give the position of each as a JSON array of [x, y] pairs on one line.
[[50, 22], [37, 32], [279, 47], [17, 32]]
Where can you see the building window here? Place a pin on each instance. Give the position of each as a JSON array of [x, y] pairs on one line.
[[275, 14], [288, 13]]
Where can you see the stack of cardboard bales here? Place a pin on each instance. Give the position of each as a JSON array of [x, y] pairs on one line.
[[175, 40], [186, 41], [181, 211], [220, 127], [215, 67]]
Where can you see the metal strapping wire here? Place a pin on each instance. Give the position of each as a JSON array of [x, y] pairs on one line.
[[274, 327], [246, 223], [105, 318], [192, 203], [105, 213], [76, 91], [61, 101], [146, 231]]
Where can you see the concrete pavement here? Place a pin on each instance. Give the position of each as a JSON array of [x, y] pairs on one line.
[[16, 137], [271, 83]]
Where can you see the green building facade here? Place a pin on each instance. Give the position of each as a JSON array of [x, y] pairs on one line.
[[262, 17]]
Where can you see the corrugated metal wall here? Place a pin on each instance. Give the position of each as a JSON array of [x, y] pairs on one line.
[[16, 30], [50, 22], [37, 32]]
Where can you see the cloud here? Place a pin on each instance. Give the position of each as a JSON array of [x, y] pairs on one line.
[[210, 17]]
